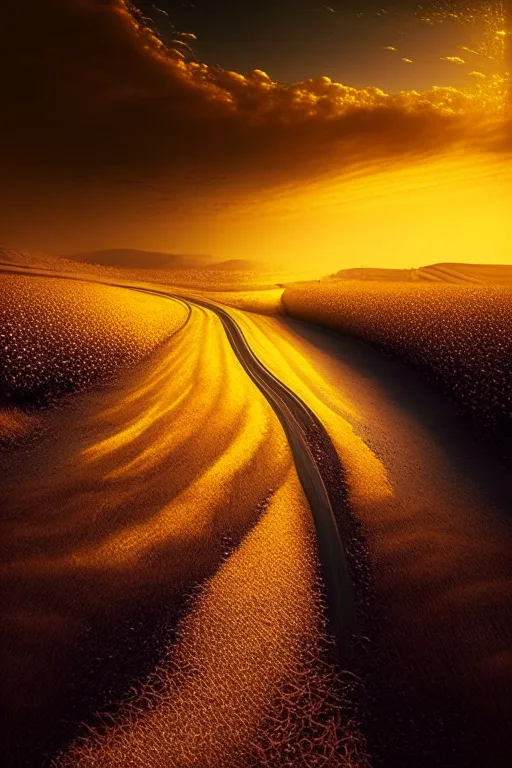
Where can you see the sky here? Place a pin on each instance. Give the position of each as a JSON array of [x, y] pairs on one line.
[[347, 41], [284, 131]]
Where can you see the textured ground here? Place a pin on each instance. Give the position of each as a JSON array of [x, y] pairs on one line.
[[58, 336], [434, 507], [459, 337], [160, 566], [461, 274], [237, 277]]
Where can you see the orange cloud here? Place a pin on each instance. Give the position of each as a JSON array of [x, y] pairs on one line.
[[104, 119], [453, 59]]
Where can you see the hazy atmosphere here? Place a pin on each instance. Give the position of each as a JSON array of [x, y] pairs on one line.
[[300, 133], [255, 384]]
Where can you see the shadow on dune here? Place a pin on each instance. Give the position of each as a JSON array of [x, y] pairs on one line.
[[97, 564], [440, 624], [426, 407]]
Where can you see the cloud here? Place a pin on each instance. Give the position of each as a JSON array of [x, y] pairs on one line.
[[453, 59], [92, 97]]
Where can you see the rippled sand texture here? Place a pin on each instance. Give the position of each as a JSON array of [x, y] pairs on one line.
[[459, 336], [58, 336], [284, 354], [15, 424], [179, 474], [438, 538], [245, 684]]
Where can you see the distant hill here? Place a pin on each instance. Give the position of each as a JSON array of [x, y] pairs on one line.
[[497, 274], [10, 256], [469, 273], [129, 258], [33, 259]]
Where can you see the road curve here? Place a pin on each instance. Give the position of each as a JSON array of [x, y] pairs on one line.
[[316, 461], [315, 467]]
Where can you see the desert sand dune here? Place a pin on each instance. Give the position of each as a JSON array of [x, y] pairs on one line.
[[458, 336], [435, 513], [236, 276], [495, 274], [180, 476], [58, 337], [129, 258]]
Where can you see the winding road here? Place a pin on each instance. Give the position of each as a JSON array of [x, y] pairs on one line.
[[371, 446], [316, 461], [316, 464]]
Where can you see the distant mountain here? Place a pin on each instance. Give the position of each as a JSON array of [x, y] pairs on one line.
[[467, 274], [135, 259]]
